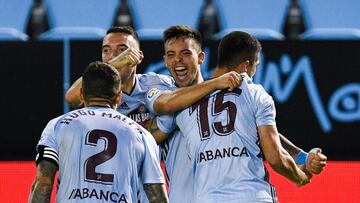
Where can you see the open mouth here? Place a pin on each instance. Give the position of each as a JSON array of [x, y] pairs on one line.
[[181, 72]]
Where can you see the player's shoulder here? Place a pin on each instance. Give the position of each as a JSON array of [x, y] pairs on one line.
[[53, 122], [152, 79]]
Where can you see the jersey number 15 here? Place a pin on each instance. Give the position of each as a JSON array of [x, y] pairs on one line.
[[217, 107]]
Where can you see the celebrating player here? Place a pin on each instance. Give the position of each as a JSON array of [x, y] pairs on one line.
[[101, 155]]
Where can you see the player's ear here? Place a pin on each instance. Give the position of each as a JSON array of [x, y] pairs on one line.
[[201, 57]]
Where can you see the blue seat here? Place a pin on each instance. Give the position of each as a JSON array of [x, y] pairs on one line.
[[261, 18], [14, 16], [151, 18], [12, 34], [79, 19], [332, 19]]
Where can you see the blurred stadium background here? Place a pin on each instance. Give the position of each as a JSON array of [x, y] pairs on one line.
[[310, 65]]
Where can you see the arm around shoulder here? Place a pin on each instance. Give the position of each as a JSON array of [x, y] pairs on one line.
[[171, 102]]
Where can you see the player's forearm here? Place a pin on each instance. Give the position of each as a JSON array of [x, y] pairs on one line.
[[278, 158], [42, 186], [73, 94], [286, 167], [156, 192], [171, 102], [41, 192], [289, 146]]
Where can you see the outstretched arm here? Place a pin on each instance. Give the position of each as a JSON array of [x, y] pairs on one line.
[[171, 102], [43, 183], [278, 158], [156, 192], [129, 57]]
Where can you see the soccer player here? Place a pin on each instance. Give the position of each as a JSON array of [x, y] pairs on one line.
[[235, 132], [183, 57], [101, 155]]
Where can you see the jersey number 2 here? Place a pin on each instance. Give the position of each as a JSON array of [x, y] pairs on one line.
[[110, 149]]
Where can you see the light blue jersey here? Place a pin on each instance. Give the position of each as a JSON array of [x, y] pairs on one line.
[[102, 156], [222, 141], [177, 161]]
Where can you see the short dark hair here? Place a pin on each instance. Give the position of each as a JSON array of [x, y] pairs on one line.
[[124, 29], [237, 47], [100, 81], [178, 31]]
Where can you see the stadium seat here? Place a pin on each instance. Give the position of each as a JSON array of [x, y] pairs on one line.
[[151, 18], [79, 19], [14, 16], [261, 18], [332, 19]]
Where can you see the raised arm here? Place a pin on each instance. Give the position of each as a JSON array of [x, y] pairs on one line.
[[171, 102], [156, 192], [43, 183], [129, 57], [72, 95], [278, 158]]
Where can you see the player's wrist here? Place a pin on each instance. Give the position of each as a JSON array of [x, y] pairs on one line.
[[301, 158]]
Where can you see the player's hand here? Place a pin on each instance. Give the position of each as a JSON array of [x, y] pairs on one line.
[[230, 81], [128, 58], [316, 161]]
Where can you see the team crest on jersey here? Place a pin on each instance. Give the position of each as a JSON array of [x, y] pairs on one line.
[[142, 109], [152, 93]]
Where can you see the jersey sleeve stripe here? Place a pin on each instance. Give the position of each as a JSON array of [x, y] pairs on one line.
[[50, 149], [51, 153]]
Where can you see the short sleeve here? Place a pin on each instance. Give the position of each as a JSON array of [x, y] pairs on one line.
[[265, 112], [151, 97], [47, 147]]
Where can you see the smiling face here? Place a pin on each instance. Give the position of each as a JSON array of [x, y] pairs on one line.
[[183, 58]]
